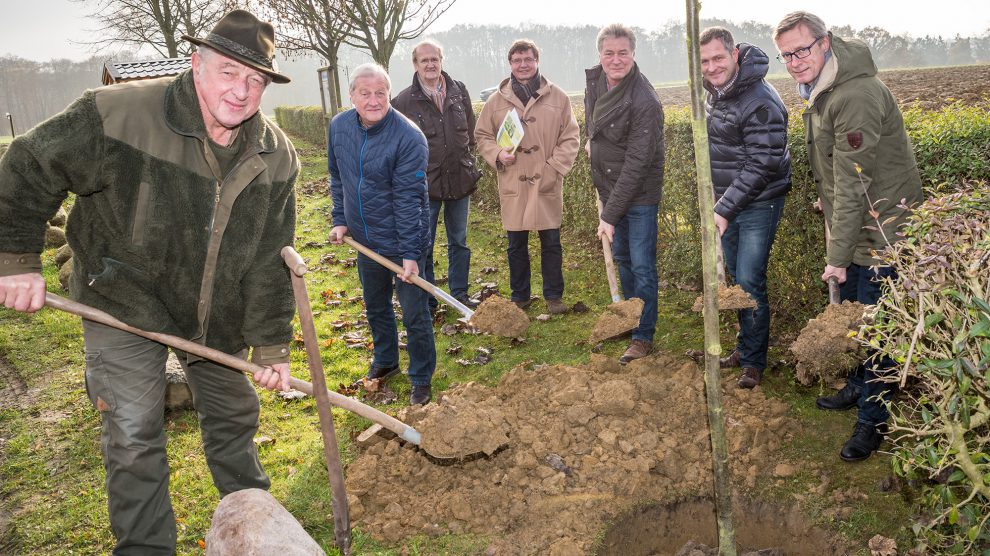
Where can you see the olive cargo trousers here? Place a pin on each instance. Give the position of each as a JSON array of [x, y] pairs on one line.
[[125, 381]]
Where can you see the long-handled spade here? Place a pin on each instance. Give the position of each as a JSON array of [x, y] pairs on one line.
[[338, 499], [621, 316], [430, 288]]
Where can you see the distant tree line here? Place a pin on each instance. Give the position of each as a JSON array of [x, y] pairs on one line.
[[476, 54]]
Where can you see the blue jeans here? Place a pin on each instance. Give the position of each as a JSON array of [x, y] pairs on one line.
[[551, 264], [863, 284], [634, 248], [377, 282], [455, 221], [746, 245]]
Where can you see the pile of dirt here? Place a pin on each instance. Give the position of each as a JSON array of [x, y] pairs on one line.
[[499, 316], [729, 299], [826, 348], [619, 317], [586, 444], [470, 423]]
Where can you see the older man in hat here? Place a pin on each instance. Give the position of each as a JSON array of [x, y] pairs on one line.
[[184, 197]]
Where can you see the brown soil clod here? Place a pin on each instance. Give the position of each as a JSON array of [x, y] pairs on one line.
[[586, 444], [499, 316], [619, 317], [729, 299], [827, 348]]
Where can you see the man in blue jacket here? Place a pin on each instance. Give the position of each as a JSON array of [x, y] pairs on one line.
[[377, 160], [751, 173]]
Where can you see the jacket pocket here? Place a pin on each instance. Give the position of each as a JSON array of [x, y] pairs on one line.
[[459, 115], [427, 124], [549, 180], [140, 222], [470, 171]]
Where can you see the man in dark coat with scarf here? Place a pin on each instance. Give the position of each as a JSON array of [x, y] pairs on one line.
[[751, 173], [624, 119], [184, 199], [441, 107]]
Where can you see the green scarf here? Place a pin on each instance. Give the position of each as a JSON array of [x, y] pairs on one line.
[[608, 98]]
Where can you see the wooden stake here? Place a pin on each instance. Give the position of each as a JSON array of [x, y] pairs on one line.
[[709, 242]]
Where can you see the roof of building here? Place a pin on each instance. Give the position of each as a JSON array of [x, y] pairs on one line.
[[118, 72]]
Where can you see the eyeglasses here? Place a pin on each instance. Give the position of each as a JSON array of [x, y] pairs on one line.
[[517, 61], [801, 53]]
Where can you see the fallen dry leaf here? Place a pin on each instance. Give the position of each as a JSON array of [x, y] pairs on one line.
[[882, 546]]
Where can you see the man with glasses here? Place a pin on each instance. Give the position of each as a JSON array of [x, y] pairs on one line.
[[866, 176], [751, 173], [531, 176]]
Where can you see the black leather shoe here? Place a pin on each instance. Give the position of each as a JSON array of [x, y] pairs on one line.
[[421, 395], [846, 398], [730, 361], [750, 378], [382, 373], [865, 440]]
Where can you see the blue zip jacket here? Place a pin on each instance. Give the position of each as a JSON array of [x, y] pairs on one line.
[[378, 183]]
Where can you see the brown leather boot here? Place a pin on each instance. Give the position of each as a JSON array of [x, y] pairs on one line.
[[637, 349], [731, 361], [750, 378]]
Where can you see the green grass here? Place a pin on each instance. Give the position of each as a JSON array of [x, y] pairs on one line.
[[51, 475]]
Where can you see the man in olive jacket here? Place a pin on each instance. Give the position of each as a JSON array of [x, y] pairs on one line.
[[441, 107], [866, 175], [624, 119], [184, 199], [751, 175]]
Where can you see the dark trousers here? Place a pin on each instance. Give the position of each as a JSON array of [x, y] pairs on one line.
[[125, 381], [863, 284], [634, 248], [551, 264], [746, 245], [455, 221], [378, 283]]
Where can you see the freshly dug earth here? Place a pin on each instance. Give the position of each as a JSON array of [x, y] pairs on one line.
[[497, 315], [729, 299], [586, 444], [470, 423], [826, 348], [619, 317]]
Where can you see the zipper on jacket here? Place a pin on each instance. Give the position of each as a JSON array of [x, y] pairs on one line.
[[360, 182]]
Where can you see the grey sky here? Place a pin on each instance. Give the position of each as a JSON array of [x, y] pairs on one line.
[[44, 29]]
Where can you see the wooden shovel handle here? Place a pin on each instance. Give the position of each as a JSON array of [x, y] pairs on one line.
[[833, 282], [339, 400], [613, 284]]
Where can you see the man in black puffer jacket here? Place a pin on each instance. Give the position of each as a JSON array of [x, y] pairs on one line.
[[751, 172]]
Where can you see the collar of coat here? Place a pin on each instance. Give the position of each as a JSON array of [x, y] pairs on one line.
[[505, 89], [184, 117], [850, 59], [377, 126]]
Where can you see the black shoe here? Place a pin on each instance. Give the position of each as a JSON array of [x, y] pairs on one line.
[[523, 304], [467, 301], [382, 373], [865, 440], [847, 398], [421, 395]]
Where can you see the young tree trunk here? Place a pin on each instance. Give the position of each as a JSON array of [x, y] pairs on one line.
[[709, 239]]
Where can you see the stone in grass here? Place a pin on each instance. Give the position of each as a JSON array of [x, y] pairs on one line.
[[65, 274], [54, 237], [63, 254], [252, 522]]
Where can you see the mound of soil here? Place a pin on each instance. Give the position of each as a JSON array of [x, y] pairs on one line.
[[826, 348], [729, 299], [470, 422], [499, 316], [586, 444], [619, 317]]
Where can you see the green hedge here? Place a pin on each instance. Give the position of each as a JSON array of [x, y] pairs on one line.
[[951, 145], [305, 122]]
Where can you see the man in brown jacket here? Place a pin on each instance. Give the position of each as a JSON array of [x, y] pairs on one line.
[[531, 176], [441, 108], [624, 120]]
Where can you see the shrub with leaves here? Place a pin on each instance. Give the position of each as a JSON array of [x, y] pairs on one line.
[[934, 321]]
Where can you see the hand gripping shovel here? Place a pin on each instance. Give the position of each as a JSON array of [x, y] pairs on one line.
[[430, 288]]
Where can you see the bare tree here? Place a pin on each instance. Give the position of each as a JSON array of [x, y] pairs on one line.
[[378, 25], [159, 24], [318, 26]]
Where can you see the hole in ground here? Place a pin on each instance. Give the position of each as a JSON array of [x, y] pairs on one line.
[[663, 529]]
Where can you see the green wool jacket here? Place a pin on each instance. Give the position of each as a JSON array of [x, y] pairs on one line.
[[858, 150], [160, 239]]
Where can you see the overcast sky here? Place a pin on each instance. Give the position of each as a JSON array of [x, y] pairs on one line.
[[44, 29]]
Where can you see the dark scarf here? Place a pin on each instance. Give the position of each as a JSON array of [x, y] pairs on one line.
[[527, 91], [607, 98]]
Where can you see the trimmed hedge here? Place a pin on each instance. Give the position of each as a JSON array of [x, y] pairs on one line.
[[305, 122]]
